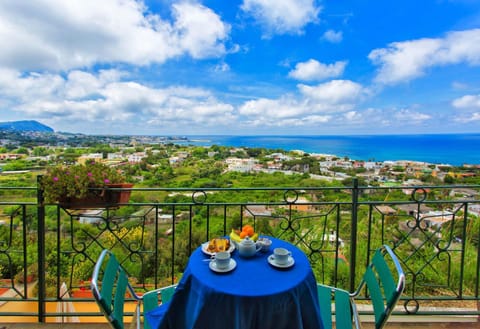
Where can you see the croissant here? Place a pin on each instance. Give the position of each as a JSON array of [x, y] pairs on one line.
[[218, 244], [212, 245]]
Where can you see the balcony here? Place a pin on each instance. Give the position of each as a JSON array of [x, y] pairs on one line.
[[47, 252]]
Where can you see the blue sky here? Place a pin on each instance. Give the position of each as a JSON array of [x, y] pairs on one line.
[[242, 67]]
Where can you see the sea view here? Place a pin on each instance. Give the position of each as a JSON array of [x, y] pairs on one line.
[[454, 149]]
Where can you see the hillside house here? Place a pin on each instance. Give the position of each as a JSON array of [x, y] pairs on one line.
[[136, 157], [96, 157], [256, 211], [241, 165], [436, 218]]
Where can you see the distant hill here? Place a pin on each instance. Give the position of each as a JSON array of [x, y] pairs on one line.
[[25, 125]]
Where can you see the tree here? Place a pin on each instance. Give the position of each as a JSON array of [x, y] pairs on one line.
[[40, 151], [22, 150], [200, 152], [448, 179], [255, 152]]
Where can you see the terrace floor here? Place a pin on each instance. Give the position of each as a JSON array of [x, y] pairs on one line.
[[394, 325], [395, 321], [414, 322]]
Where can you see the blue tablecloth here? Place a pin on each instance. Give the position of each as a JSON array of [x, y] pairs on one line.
[[254, 295]]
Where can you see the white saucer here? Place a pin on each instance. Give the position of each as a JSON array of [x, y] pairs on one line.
[[206, 252], [231, 266], [271, 260]]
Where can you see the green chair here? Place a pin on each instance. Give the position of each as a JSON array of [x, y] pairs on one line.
[[112, 291], [384, 288]]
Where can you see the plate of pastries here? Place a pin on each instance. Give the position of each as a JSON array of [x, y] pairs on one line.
[[216, 245]]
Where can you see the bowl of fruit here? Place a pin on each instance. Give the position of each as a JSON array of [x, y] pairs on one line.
[[247, 231], [244, 241]]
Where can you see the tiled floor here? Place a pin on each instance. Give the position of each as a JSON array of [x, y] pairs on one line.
[[390, 325]]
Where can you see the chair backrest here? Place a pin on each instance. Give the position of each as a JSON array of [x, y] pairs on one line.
[[385, 282], [110, 293]]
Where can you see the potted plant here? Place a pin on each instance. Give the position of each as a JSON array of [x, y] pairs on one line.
[[84, 186]]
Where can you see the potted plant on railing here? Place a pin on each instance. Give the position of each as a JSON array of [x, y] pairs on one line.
[[84, 186]]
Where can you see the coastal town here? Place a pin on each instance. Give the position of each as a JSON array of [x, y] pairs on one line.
[[33, 152], [33, 149]]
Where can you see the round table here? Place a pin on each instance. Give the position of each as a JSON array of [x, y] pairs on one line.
[[254, 294]]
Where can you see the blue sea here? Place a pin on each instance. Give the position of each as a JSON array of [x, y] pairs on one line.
[[454, 149]]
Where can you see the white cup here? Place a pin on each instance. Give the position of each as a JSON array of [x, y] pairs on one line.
[[280, 256], [222, 259]]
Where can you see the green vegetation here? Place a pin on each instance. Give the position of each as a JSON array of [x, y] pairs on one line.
[[131, 231]]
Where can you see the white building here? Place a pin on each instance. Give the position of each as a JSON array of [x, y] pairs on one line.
[[136, 157], [115, 156], [241, 165], [93, 216]]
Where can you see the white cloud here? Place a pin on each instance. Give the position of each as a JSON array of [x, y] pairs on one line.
[[200, 30], [15, 87], [404, 61], [282, 16], [352, 116], [311, 106], [80, 84], [273, 109], [333, 104], [333, 36], [334, 92], [469, 105], [473, 117], [467, 102], [314, 70], [61, 35], [108, 102], [95, 101], [457, 85], [222, 67], [407, 115], [378, 118]]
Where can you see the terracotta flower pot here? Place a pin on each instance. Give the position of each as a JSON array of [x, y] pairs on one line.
[[82, 293], [118, 196], [99, 199]]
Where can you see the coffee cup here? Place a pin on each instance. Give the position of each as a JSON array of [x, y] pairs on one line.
[[281, 255], [222, 259]]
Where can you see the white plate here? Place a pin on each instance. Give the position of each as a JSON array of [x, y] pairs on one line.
[[206, 252], [289, 263], [231, 266]]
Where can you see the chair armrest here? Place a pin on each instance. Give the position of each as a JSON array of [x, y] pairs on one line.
[[150, 298], [345, 309]]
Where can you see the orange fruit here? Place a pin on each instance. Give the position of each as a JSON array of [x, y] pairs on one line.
[[247, 227], [243, 234], [249, 231]]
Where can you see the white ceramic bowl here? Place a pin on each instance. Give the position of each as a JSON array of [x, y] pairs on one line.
[[265, 243]]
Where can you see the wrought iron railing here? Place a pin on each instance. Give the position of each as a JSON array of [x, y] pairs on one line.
[[434, 231]]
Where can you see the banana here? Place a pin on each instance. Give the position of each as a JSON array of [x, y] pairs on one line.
[[234, 236]]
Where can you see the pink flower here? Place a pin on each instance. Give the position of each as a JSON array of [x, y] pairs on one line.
[[55, 179], [89, 174], [106, 180]]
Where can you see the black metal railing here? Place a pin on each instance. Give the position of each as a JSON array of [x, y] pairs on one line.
[[434, 231]]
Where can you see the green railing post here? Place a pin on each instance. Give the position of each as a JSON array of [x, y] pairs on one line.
[[41, 250], [353, 237]]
